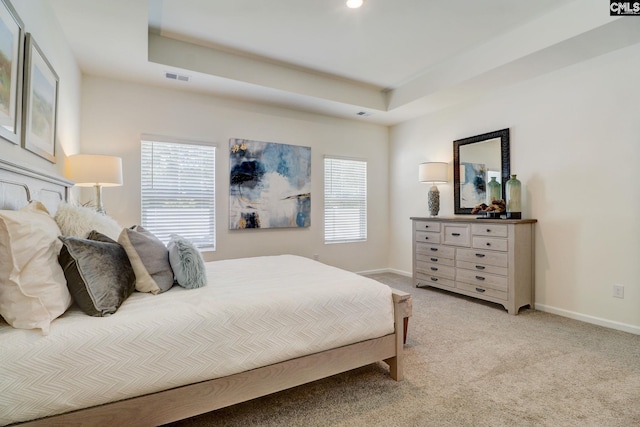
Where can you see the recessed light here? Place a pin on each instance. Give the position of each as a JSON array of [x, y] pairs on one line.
[[354, 4]]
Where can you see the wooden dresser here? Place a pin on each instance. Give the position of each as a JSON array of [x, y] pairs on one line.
[[490, 259]]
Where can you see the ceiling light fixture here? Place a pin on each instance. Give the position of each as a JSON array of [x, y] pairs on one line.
[[354, 4]]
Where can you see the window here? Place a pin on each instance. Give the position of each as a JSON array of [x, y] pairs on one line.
[[345, 200], [178, 191]]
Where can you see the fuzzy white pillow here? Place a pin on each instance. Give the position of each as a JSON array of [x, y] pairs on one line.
[[79, 221]]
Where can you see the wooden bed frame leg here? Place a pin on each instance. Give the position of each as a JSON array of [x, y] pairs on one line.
[[402, 311]]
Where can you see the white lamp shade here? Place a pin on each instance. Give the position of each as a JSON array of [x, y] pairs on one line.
[[87, 170], [434, 172]]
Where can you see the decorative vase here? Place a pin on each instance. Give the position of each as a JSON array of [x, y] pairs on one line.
[[514, 198], [494, 190]]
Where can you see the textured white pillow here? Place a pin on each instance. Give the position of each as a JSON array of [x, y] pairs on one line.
[[79, 221], [33, 290]]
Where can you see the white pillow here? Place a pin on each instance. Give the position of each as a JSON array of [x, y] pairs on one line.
[[33, 289], [79, 221]]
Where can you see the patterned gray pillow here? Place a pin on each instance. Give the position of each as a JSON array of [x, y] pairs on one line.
[[98, 272]]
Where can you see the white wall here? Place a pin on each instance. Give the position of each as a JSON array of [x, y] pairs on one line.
[[36, 16], [116, 113], [575, 145]]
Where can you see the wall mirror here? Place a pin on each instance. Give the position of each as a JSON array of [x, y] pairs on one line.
[[477, 161]]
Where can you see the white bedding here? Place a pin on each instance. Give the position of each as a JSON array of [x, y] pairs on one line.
[[253, 312]]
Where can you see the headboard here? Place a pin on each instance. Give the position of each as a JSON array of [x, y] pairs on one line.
[[19, 185]]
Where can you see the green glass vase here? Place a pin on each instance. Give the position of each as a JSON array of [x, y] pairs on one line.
[[494, 190], [514, 198]]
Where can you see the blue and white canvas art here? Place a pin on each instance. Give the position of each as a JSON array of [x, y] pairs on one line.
[[270, 185]]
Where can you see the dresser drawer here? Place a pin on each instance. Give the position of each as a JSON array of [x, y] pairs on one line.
[[484, 257], [483, 291], [427, 226], [456, 235], [427, 236], [482, 267], [482, 279], [436, 250], [436, 259], [493, 230], [493, 243], [438, 270], [431, 280]]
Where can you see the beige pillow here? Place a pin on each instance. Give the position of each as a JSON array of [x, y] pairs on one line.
[[149, 258], [33, 290]]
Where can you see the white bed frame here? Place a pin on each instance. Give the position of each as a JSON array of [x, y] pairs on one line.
[[194, 399]]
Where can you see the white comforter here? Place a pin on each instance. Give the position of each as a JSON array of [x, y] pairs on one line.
[[253, 312]]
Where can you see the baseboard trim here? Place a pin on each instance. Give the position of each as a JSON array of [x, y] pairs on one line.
[[590, 319], [611, 324], [385, 270]]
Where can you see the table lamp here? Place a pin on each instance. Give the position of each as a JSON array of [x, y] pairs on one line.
[[434, 173], [95, 170]]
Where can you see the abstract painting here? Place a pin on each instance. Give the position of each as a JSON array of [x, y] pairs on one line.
[[270, 185], [473, 184]]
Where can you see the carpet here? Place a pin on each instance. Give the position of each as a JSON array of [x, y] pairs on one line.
[[469, 363]]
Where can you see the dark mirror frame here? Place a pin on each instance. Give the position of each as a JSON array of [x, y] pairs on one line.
[[503, 134]]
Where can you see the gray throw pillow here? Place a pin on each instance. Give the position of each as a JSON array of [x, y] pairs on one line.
[[98, 272], [149, 258], [186, 262]]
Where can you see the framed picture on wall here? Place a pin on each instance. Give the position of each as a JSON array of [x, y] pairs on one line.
[[11, 70], [269, 185], [40, 102]]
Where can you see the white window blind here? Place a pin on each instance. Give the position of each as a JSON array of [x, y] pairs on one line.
[[345, 200], [178, 191]]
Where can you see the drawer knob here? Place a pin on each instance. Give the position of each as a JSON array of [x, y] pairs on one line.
[[426, 238], [434, 279], [479, 277], [480, 290], [426, 226], [434, 259], [488, 230], [434, 249], [488, 244], [480, 255], [455, 234], [480, 267], [434, 268]]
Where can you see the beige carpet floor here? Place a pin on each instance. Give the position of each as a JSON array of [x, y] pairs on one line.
[[469, 363]]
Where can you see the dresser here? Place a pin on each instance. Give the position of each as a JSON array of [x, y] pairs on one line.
[[489, 259]]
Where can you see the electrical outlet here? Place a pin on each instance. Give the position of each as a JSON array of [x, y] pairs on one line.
[[618, 291]]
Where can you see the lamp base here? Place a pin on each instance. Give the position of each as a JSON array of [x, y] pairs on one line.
[[98, 199], [433, 198]]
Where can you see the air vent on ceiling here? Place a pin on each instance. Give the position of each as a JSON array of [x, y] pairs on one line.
[[176, 76]]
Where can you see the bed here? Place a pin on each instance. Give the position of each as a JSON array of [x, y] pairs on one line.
[[162, 358]]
